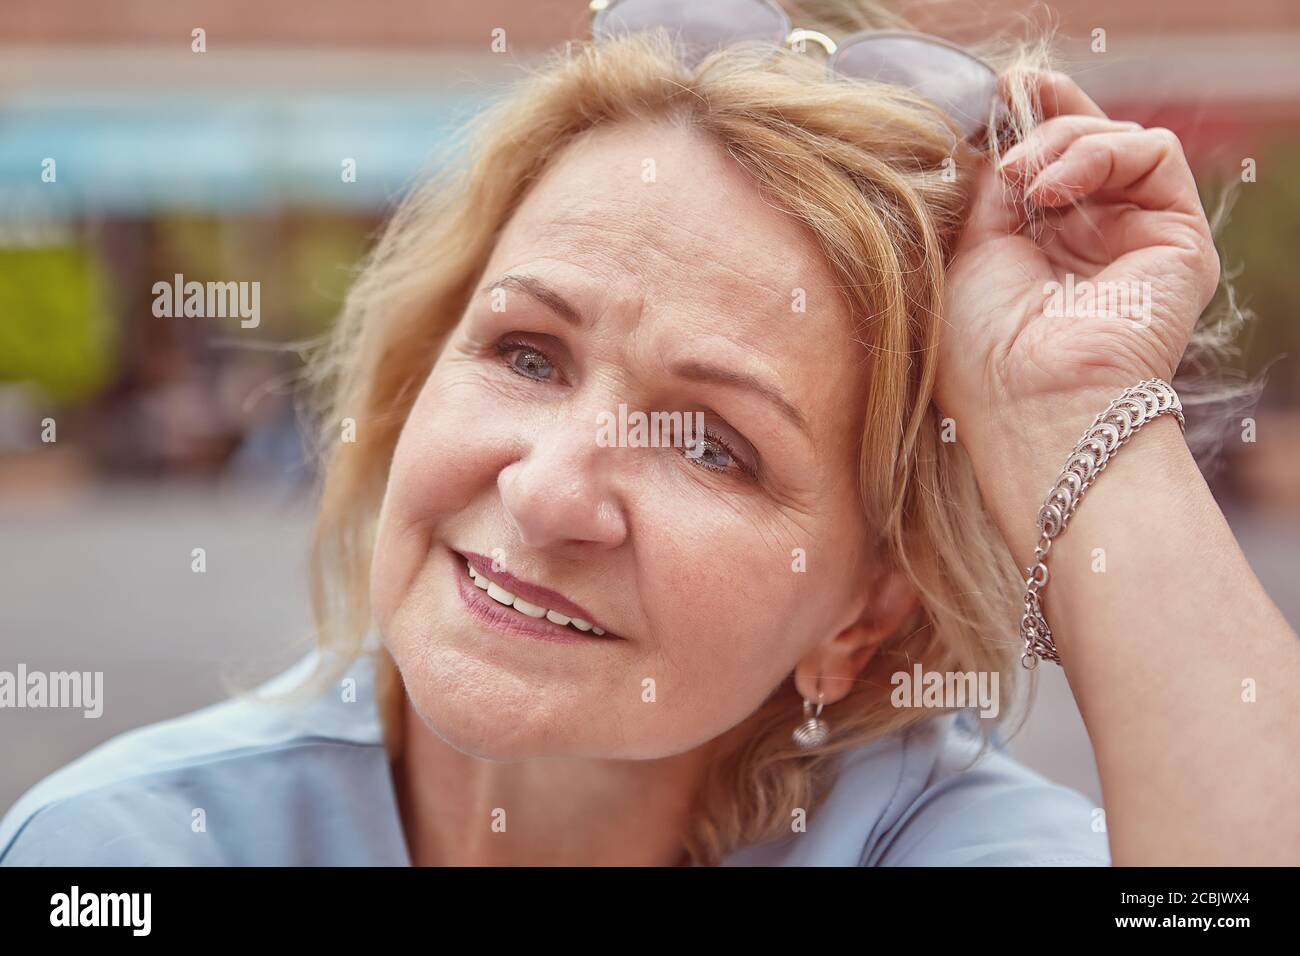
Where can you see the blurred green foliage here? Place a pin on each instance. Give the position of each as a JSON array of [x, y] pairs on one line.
[[1259, 245], [59, 322], [56, 330], [305, 262]]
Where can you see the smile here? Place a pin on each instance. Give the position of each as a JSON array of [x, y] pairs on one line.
[[494, 597]]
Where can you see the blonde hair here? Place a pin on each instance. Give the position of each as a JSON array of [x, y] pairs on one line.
[[868, 170]]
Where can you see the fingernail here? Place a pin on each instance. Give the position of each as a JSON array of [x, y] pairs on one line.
[[1012, 155], [1048, 173]]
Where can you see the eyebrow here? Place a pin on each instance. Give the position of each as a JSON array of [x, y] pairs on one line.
[[692, 370], [537, 289]]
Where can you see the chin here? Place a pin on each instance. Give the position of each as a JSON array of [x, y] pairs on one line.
[[477, 707]]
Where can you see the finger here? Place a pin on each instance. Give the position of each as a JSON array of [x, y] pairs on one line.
[[1086, 238], [1147, 169], [1050, 139], [1070, 244], [996, 210], [1059, 95]]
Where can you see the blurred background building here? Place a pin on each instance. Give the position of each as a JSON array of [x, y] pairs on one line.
[[177, 433]]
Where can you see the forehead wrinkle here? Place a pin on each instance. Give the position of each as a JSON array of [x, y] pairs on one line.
[[678, 220], [779, 286], [585, 243], [640, 229]]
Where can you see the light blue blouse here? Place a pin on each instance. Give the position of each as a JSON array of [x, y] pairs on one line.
[[309, 784]]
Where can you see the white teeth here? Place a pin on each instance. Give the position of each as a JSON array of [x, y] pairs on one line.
[[502, 596], [532, 610], [497, 593]]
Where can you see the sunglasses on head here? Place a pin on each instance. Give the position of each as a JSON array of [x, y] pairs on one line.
[[958, 82]]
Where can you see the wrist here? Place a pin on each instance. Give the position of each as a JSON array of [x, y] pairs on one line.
[[1019, 457]]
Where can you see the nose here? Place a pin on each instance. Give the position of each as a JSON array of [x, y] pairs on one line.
[[559, 492]]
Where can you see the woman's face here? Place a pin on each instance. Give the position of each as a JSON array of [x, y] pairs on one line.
[[645, 270]]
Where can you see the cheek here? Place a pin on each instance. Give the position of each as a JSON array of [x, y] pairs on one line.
[[729, 613], [443, 459], [443, 452]]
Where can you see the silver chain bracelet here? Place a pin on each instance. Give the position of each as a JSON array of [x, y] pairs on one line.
[[1138, 405]]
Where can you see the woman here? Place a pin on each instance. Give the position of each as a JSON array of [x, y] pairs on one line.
[[538, 648]]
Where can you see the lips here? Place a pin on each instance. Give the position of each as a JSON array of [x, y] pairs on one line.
[[532, 593]]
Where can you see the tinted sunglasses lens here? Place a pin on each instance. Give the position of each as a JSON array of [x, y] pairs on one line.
[[958, 83], [698, 27]]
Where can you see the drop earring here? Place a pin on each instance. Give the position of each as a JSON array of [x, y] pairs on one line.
[[814, 731]]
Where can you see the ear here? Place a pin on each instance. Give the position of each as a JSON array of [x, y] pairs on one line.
[[833, 667]]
